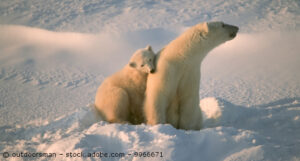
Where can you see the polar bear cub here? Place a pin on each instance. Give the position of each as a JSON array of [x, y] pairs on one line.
[[120, 97]]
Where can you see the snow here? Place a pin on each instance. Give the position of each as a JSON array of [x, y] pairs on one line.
[[54, 54], [96, 16]]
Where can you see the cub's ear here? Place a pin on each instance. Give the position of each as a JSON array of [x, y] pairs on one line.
[[132, 64], [203, 35], [149, 48]]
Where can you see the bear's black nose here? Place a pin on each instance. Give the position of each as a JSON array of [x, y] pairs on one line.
[[232, 35], [152, 71], [234, 31]]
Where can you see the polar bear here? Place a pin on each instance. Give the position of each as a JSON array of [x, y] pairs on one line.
[[119, 99], [172, 94]]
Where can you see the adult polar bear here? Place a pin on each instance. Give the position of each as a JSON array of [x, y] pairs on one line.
[[172, 94]]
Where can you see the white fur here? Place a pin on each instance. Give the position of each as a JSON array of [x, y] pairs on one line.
[[120, 97], [172, 94]]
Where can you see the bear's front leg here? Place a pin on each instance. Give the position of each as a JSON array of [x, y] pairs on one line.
[[155, 108], [190, 115]]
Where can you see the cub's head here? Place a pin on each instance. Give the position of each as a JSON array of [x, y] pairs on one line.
[[143, 60], [216, 33]]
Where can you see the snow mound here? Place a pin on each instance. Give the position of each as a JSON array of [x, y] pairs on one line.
[[241, 133], [211, 110], [171, 144]]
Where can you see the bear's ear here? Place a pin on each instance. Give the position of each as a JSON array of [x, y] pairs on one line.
[[149, 48], [203, 35], [132, 64]]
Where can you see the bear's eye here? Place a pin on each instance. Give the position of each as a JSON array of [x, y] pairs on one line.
[[142, 65], [150, 60]]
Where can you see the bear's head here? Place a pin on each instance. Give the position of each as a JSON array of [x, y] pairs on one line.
[[221, 31], [213, 34], [143, 60]]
